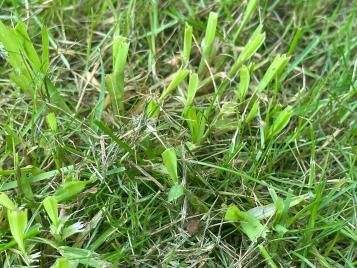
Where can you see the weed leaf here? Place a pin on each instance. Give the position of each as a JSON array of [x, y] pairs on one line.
[[6, 202], [175, 192], [50, 205], [250, 225], [18, 221], [170, 162]]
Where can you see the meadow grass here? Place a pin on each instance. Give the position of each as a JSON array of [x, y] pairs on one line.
[[178, 133]]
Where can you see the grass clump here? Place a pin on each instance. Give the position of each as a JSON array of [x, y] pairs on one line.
[[161, 134]]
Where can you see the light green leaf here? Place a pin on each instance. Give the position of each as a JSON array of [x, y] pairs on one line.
[[253, 44], [208, 42], [18, 221], [175, 192], [27, 64], [115, 81], [9, 41], [45, 50], [275, 67], [13, 46], [72, 229], [232, 214], [120, 54], [29, 49], [243, 82], [178, 77], [152, 109], [280, 229], [6, 202], [280, 122], [187, 44], [253, 112], [192, 89], [196, 122], [50, 205], [247, 15], [52, 122], [250, 225], [83, 256], [267, 211], [69, 190], [170, 162], [210, 30], [61, 263]]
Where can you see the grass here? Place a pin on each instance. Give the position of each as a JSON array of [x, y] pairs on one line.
[[178, 133]]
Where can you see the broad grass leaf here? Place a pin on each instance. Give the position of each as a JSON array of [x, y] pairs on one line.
[[250, 225], [115, 81], [253, 44], [45, 58], [152, 109], [69, 190], [251, 6], [187, 44], [6, 202], [192, 89], [120, 54], [280, 122], [243, 82], [50, 205], [72, 229], [170, 162], [52, 122], [18, 221], [61, 263], [253, 112], [275, 67], [208, 42], [27, 44], [178, 77], [176, 192], [29, 70], [196, 122], [84, 257]]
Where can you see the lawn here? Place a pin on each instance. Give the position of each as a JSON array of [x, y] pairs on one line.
[[178, 133]]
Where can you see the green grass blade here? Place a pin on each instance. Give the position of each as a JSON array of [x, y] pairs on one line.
[[252, 46], [6, 202], [253, 112], [251, 6], [29, 49], [191, 90], [187, 45], [170, 162], [275, 67], [176, 192], [243, 83], [69, 189], [280, 122], [50, 205], [45, 57], [61, 263], [18, 221], [52, 122], [208, 43], [115, 81], [178, 78]]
